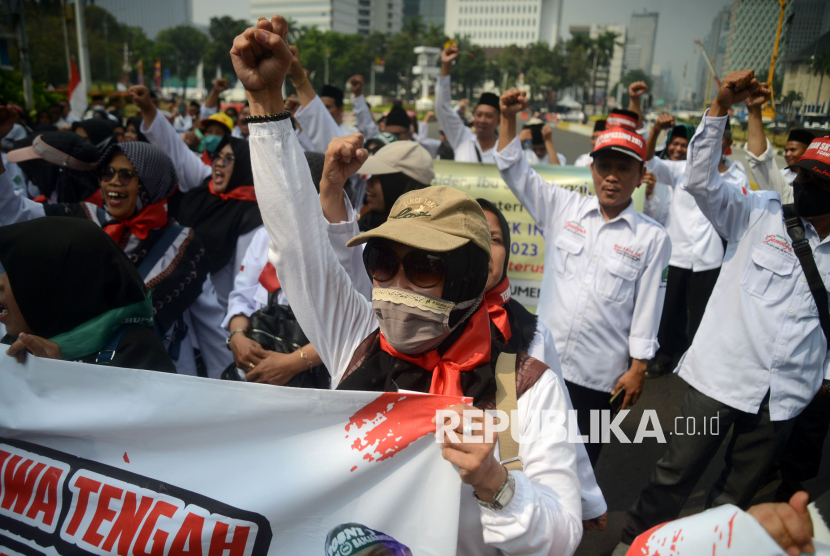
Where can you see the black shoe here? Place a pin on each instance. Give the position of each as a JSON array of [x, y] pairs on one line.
[[656, 372]]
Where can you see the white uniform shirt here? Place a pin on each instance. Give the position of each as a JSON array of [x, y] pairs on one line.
[[182, 123], [544, 516], [533, 159], [760, 332], [695, 243], [769, 177], [423, 139], [460, 137], [365, 122], [603, 290], [319, 125], [584, 160]]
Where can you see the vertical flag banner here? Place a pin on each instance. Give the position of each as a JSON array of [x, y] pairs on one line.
[[108, 461], [78, 102], [140, 70], [157, 74]]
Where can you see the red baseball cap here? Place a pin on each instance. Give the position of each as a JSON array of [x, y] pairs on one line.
[[816, 158], [622, 118], [622, 140]]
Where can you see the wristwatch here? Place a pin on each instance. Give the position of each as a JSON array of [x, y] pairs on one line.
[[503, 496], [228, 341]]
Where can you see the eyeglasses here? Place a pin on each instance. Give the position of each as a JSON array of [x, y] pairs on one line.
[[107, 173], [226, 159], [423, 269]]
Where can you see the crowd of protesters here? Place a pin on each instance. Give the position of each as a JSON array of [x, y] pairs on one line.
[[275, 243]]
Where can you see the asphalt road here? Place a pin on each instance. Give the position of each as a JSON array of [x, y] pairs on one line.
[[623, 469]]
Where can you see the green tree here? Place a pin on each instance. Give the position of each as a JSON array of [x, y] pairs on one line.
[[222, 31], [187, 46]]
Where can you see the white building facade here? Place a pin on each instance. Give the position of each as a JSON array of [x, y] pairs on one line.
[[499, 23], [325, 15]]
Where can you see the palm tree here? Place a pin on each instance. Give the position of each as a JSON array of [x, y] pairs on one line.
[[602, 51], [821, 67]]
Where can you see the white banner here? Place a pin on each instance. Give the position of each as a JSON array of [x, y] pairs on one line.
[[102, 460]]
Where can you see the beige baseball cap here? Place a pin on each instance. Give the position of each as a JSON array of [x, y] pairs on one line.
[[438, 218], [401, 156]]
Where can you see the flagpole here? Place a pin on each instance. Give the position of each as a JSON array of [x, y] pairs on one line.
[[66, 40], [83, 45]]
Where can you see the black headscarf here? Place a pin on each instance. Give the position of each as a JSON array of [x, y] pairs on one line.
[[66, 271], [393, 186], [73, 186], [136, 122], [219, 223], [522, 321], [99, 131]]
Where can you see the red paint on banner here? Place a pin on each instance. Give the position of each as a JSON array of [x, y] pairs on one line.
[[731, 523], [393, 421], [126, 459]]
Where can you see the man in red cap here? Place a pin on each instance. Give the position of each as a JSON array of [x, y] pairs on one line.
[[760, 355], [603, 288]]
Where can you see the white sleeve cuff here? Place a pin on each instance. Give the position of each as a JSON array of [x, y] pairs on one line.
[[271, 128], [642, 348], [507, 515], [510, 155], [346, 226], [767, 154]]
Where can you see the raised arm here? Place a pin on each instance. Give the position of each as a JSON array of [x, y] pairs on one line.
[[727, 208], [758, 149], [211, 104], [547, 135], [191, 170], [365, 123], [664, 121], [635, 91], [334, 317], [431, 145], [455, 130]]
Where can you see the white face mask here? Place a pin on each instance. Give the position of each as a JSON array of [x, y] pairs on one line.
[[415, 323]]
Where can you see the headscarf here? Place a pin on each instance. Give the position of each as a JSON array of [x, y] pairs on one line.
[[393, 186], [220, 218], [99, 131], [73, 284], [72, 186], [136, 122], [516, 324]]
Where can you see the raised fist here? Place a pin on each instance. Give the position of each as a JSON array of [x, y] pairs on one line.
[[525, 135], [547, 132], [141, 97], [512, 102], [344, 156], [737, 86], [759, 97], [664, 121], [261, 58], [356, 81], [637, 89], [221, 85], [429, 117], [190, 138], [463, 103], [449, 55], [650, 180]]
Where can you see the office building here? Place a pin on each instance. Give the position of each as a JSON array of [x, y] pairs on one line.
[[499, 23], [639, 42], [431, 12], [715, 45], [326, 15], [384, 16], [751, 39], [811, 19], [151, 15], [615, 69]]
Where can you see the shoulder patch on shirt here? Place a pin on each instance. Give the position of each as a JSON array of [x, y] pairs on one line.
[[664, 277]]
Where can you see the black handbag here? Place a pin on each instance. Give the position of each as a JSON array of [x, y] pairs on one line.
[[275, 328]]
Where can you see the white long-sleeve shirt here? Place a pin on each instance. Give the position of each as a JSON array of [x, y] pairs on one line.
[[603, 289], [769, 177], [543, 518], [365, 122], [533, 159], [319, 125], [760, 332], [584, 160], [191, 170], [695, 243], [541, 348], [460, 137], [423, 139]]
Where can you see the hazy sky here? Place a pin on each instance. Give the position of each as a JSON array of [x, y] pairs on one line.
[[680, 23]]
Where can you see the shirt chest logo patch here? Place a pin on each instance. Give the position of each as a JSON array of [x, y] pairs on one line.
[[778, 243], [575, 229], [628, 253]]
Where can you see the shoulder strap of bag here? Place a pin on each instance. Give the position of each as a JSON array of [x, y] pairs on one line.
[[106, 355], [158, 250], [478, 153], [507, 401], [801, 246]]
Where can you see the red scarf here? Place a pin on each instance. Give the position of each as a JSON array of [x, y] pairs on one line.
[[469, 351], [152, 217], [241, 193], [206, 158], [268, 278], [495, 300], [96, 199]]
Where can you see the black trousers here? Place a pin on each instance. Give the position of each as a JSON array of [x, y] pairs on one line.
[[687, 294], [756, 445], [584, 400], [802, 456]]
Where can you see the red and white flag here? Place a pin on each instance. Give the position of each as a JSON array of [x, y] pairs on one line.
[[77, 93]]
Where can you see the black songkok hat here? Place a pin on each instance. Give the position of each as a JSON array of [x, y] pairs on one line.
[[599, 125], [333, 92], [398, 116], [801, 136], [489, 99]]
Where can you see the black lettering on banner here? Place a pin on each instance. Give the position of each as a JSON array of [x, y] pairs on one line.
[[53, 502]]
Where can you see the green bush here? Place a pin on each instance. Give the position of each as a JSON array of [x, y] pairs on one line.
[[11, 90]]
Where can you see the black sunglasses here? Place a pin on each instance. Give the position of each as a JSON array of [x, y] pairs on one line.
[[107, 173], [423, 269]]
